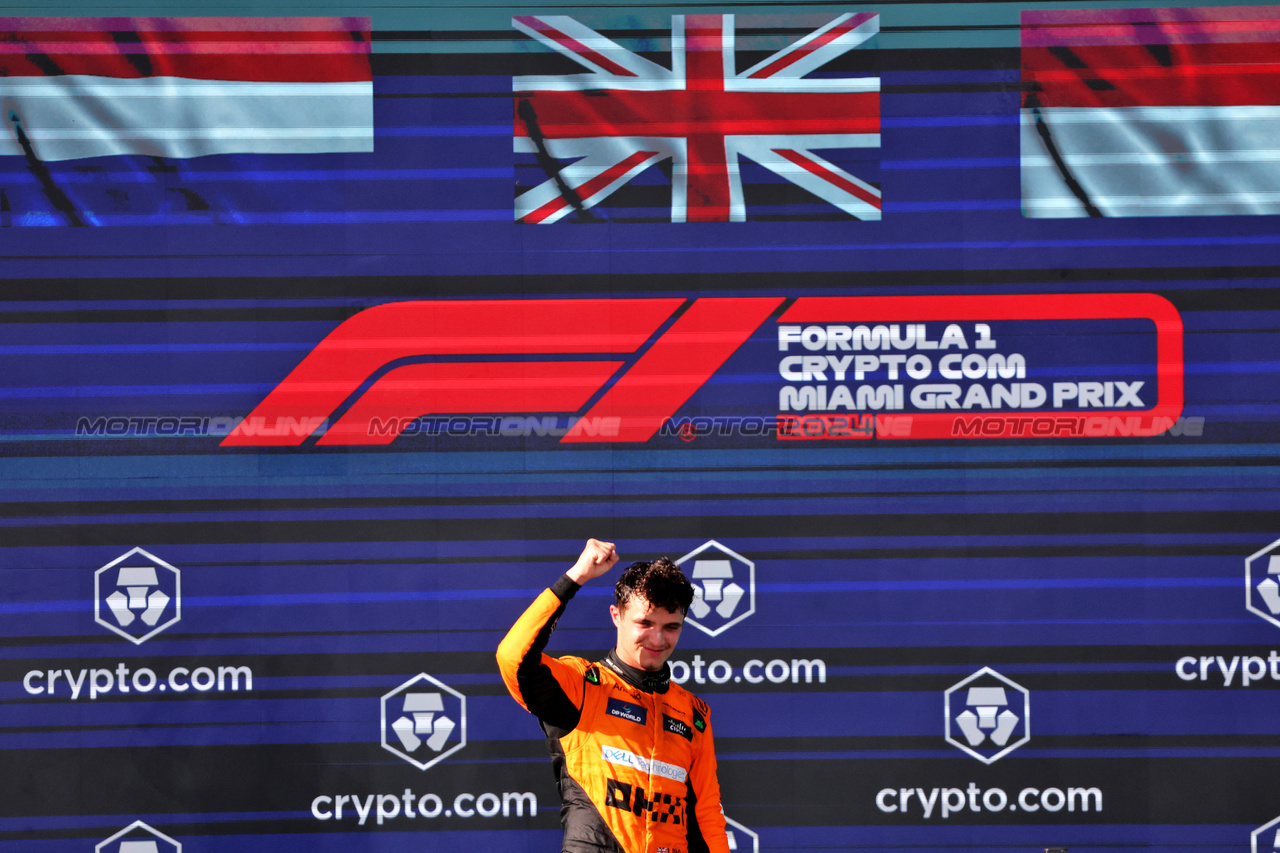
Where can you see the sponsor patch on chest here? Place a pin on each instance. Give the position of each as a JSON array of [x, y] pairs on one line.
[[650, 766], [626, 710], [677, 726]]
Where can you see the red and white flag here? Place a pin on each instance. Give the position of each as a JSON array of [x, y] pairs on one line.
[[184, 87], [1151, 112], [628, 113]]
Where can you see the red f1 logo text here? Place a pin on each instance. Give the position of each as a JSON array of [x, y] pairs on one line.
[[577, 347]]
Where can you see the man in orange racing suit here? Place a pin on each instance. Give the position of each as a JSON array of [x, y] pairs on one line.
[[632, 752]]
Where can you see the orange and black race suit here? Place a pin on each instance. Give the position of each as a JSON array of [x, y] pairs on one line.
[[632, 752]]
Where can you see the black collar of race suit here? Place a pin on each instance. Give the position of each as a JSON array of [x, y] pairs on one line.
[[649, 682]]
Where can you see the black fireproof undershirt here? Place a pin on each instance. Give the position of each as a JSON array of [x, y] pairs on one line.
[[542, 692]]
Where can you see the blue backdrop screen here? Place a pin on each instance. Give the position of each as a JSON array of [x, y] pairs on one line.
[[327, 340]]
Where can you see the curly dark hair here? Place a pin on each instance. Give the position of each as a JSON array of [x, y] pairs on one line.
[[660, 582]]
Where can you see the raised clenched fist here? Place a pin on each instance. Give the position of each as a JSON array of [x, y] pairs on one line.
[[596, 559]]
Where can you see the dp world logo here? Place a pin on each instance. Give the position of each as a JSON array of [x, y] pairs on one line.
[[724, 587], [137, 837], [1262, 583], [424, 721], [137, 595], [988, 716]]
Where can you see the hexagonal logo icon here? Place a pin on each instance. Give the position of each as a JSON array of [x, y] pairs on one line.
[[137, 837], [741, 838], [724, 587], [137, 596], [988, 715], [424, 721], [1266, 838], [1262, 583]]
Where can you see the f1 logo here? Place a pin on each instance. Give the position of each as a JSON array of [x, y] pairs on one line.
[[482, 349]]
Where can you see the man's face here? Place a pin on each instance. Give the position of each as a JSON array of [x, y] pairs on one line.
[[647, 635]]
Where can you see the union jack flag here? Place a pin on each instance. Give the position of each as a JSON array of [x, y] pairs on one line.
[[593, 133]]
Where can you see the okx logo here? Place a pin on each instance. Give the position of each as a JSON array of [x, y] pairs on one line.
[[1262, 583], [724, 587], [137, 596], [137, 837], [424, 721], [988, 715]]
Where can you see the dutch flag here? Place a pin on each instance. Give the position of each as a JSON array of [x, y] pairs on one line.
[[74, 88]]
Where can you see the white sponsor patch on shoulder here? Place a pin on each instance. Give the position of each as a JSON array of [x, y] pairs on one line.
[[653, 767]]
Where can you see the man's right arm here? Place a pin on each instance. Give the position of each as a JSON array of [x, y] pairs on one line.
[[549, 688]]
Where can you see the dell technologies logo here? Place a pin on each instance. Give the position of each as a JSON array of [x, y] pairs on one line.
[[137, 837], [724, 587], [988, 715], [424, 721], [137, 596]]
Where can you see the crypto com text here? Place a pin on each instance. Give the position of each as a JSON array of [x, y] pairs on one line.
[[776, 671], [1249, 668], [384, 807], [945, 802], [69, 683], [826, 361]]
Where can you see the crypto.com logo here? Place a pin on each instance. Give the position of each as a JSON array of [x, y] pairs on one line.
[[741, 838], [1262, 583], [137, 837], [724, 587], [137, 596], [389, 348], [1270, 839], [420, 718], [990, 712]]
